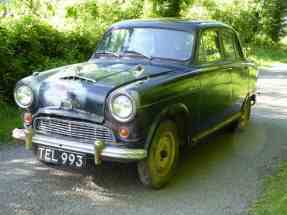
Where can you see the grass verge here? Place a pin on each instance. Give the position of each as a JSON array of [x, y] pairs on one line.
[[274, 198], [9, 119], [268, 56]]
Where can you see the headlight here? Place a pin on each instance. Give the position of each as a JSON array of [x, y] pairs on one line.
[[24, 96], [122, 108]]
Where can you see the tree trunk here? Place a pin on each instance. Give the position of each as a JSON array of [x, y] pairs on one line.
[[165, 8]]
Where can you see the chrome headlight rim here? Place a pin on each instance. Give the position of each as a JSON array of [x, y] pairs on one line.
[[25, 106], [133, 107]]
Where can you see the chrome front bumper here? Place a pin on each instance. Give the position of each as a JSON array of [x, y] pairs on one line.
[[99, 151]]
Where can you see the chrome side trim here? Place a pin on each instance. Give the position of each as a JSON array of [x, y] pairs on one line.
[[216, 127], [107, 152]]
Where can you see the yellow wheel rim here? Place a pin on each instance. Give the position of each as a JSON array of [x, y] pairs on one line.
[[164, 155]]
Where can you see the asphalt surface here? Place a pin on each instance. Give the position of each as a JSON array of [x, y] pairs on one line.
[[223, 175]]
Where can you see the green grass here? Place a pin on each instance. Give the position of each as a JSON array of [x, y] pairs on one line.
[[9, 119], [269, 56], [274, 198]]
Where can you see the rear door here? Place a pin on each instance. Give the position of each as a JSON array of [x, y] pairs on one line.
[[215, 78], [239, 69]]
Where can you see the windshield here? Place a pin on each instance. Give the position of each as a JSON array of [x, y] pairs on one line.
[[149, 43]]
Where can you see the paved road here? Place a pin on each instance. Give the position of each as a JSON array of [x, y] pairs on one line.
[[221, 176]]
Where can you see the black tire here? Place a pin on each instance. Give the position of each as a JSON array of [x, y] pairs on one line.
[[159, 167], [244, 118]]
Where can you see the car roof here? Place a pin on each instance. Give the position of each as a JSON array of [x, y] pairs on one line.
[[175, 24]]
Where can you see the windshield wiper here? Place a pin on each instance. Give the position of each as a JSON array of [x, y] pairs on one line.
[[137, 53], [107, 53]]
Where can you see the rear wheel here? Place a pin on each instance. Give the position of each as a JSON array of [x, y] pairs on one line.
[[244, 118], [157, 170]]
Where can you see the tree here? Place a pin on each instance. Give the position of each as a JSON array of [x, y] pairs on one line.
[[272, 18], [165, 8], [39, 8]]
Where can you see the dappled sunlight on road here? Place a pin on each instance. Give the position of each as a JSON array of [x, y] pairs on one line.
[[278, 67], [272, 88]]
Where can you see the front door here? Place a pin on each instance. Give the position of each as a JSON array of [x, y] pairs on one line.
[[215, 77]]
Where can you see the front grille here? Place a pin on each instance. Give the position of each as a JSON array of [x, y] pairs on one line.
[[81, 131]]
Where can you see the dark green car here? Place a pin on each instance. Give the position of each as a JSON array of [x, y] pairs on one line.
[[150, 87]]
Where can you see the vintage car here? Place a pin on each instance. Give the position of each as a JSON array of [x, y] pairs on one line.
[[151, 87]]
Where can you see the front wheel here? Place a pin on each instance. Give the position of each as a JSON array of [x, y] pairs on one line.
[[158, 168]]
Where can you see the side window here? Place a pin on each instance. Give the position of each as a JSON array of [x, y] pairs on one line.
[[209, 48], [229, 46]]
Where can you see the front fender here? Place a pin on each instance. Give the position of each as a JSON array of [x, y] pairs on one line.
[[172, 112]]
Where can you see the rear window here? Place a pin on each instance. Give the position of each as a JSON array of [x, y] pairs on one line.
[[209, 48], [229, 45]]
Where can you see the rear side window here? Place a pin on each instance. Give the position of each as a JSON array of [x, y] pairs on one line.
[[209, 48], [229, 46]]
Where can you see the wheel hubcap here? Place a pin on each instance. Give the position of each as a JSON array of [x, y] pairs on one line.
[[165, 153]]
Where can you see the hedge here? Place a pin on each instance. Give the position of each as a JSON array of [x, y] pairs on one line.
[[29, 45]]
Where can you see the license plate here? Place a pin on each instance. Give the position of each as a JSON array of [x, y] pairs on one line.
[[60, 157]]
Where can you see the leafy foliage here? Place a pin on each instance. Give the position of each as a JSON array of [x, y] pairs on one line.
[[29, 44], [257, 21], [165, 8], [272, 21], [10, 118], [41, 34], [244, 20]]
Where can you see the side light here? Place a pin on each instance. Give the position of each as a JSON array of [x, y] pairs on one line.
[[124, 132]]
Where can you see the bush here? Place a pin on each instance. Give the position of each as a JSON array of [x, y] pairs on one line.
[[29, 44]]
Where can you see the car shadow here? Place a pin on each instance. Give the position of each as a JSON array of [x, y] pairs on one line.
[[120, 179]]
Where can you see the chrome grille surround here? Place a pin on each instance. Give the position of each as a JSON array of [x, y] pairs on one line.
[[81, 131]]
